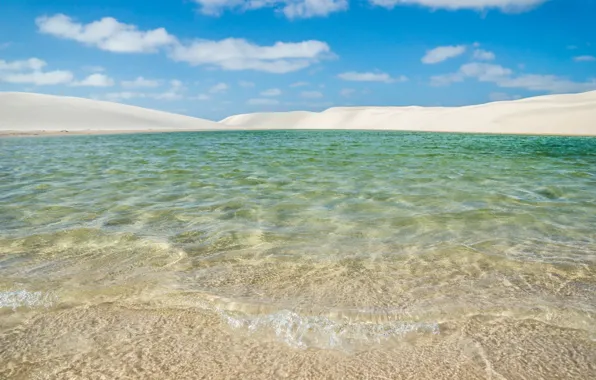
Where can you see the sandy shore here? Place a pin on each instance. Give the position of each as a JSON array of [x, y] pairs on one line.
[[15, 133], [24, 114]]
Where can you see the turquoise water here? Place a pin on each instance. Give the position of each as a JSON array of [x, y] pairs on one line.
[[299, 254]]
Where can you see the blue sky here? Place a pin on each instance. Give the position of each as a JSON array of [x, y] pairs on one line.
[[214, 58]]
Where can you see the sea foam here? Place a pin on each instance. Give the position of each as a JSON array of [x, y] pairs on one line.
[[322, 332], [24, 298]]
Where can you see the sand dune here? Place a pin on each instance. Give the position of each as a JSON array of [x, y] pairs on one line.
[[26, 113], [572, 114]]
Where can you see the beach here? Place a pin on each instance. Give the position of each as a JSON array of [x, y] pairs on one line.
[[298, 189]]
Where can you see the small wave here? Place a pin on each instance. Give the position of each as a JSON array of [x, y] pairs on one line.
[[321, 332], [24, 298]]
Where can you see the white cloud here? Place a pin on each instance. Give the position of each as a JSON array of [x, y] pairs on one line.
[[442, 53], [484, 55], [170, 95], [505, 78], [201, 97], [485, 72], [546, 83], [141, 82], [370, 77], [299, 84], [262, 102], [313, 8], [106, 34], [246, 84], [310, 104], [28, 64], [584, 58], [176, 84], [501, 96], [290, 8], [125, 95], [503, 5], [94, 69], [239, 54], [216, 7], [228, 54], [39, 78], [29, 71], [347, 92], [446, 79], [311, 94], [219, 88], [95, 80], [271, 92], [174, 92]]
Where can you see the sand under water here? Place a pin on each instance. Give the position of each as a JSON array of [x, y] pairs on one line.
[[296, 254]]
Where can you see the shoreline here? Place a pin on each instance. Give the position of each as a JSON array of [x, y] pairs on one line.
[[16, 134], [33, 134]]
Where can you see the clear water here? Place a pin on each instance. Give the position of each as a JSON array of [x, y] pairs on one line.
[[297, 254]]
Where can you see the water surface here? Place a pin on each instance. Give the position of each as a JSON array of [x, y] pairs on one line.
[[298, 254]]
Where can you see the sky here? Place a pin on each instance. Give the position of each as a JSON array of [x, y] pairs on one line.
[[216, 58]]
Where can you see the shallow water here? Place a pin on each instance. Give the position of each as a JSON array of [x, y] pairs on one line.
[[300, 254]]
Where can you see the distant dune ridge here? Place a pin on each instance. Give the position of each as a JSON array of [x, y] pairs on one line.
[[570, 114]]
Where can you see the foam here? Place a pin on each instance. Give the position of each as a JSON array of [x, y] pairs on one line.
[[303, 332], [23, 298]]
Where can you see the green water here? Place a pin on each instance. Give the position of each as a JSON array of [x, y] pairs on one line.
[[298, 254]]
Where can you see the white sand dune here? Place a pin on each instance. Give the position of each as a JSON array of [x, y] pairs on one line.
[[26, 113], [571, 114]]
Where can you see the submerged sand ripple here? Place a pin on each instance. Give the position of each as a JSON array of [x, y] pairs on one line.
[[111, 341]]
